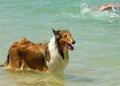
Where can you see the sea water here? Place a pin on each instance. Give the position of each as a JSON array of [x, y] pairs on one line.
[[95, 60]]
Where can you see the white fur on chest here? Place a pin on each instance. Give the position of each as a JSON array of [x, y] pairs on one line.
[[56, 64]]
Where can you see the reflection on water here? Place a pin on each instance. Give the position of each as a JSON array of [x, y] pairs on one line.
[[31, 78]]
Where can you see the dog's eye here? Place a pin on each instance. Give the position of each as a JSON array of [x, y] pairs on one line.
[[65, 36]]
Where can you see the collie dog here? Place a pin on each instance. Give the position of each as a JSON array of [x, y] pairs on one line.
[[51, 56]]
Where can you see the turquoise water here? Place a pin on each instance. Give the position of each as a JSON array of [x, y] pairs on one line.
[[96, 58]]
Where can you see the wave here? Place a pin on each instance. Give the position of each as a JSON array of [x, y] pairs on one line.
[[94, 12], [90, 13]]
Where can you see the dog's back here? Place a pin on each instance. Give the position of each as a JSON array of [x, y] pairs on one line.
[[26, 54]]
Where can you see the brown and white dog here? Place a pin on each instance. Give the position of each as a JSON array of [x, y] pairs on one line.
[[51, 56]]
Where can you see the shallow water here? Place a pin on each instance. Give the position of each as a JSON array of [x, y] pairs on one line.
[[96, 58]]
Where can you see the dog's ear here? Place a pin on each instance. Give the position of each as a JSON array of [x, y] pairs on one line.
[[56, 34]]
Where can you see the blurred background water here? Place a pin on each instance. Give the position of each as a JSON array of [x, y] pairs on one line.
[[96, 58]]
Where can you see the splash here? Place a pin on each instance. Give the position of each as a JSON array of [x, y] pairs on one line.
[[93, 13], [84, 8]]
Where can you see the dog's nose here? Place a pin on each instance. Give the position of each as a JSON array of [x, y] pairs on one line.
[[73, 42]]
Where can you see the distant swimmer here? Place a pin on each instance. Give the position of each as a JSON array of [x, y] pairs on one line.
[[113, 7]]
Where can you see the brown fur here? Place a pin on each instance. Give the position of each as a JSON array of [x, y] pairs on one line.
[[26, 54]]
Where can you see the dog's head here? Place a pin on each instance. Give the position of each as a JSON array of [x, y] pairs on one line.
[[64, 39]]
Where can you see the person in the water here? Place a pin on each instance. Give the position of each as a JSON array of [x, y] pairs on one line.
[[113, 7]]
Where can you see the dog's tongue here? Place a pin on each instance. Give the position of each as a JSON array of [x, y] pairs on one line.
[[69, 46]]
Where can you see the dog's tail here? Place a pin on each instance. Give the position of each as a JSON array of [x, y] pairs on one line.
[[5, 63]]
